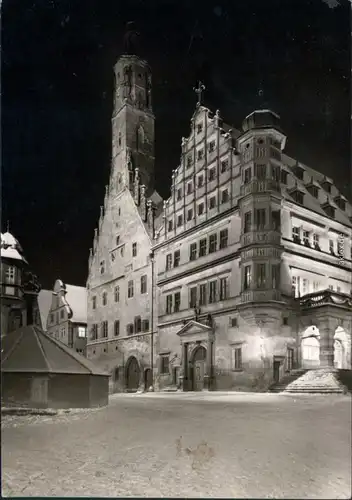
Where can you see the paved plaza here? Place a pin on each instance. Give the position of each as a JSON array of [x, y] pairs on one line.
[[184, 445]]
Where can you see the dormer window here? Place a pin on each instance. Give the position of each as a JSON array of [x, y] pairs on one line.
[[313, 190], [297, 195], [199, 128], [326, 185], [340, 202], [299, 172], [329, 209]]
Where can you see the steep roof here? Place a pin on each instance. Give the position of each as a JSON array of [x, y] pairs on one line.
[[44, 304], [76, 298], [29, 349]]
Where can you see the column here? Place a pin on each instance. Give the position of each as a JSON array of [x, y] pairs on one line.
[[326, 346], [184, 368], [208, 367]]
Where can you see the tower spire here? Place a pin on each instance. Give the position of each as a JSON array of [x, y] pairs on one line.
[[199, 91]]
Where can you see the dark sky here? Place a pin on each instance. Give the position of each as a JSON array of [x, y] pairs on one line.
[[57, 98]]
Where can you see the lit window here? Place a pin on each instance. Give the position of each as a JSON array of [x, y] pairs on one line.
[[82, 331], [10, 275]]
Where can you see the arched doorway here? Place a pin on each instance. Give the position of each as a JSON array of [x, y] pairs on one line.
[[148, 379], [198, 368], [338, 354], [133, 373], [310, 352]]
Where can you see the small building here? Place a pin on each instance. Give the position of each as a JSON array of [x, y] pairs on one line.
[[40, 372], [67, 316]]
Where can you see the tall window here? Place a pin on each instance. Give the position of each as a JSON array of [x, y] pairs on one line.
[[212, 202], [225, 196], [189, 214], [201, 208], [130, 289], [295, 235], [105, 298], [137, 324], [177, 258], [189, 188], [247, 222], [202, 294], [200, 154], [247, 175], [116, 327], [247, 277], [164, 364], [202, 247], [104, 329], [275, 171], [82, 331], [213, 239], [212, 291], [275, 276], [224, 236], [193, 297], [94, 332], [261, 172], [283, 176], [260, 218], [316, 241], [177, 301], [193, 251], [296, 285], [224, 165], [168, 304], [223, 288], [237, 358], [306, 236], [179, 220], [144, 283], [200, 181], [189, 161], [10, 275], [276, 219], [168, 261], [117, 293], [261, 276], [211, 175], [211, 146], [94, 302], [170, 225], [129, 329], [179, 194], [134, 249]]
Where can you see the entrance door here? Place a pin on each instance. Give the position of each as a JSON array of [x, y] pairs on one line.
[[132, 375], [148, 381], [199, 361], [289, 359], [276, 371]]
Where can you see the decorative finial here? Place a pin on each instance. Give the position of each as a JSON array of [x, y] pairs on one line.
[[261, 96], [130, 39], [199, 90]]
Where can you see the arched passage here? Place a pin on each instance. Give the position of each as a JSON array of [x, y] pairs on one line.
[[133, 374], [310, 352], [342, 349], [198, 363]]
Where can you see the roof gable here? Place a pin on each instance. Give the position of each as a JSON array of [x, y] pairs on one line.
[[193, 327]]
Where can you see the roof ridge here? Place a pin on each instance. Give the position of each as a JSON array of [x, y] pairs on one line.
[[42, 349], [13, 347]]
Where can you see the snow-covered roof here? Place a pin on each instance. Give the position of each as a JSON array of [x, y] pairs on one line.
[[44, 304], [76, 298], [10, 247]]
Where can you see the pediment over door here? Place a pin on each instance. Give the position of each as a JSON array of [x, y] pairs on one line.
[[194, 331]]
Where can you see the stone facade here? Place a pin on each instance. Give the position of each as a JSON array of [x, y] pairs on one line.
[[245, 235]]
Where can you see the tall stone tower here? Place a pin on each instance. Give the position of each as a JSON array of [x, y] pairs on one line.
[[260, 205], [132, 125]]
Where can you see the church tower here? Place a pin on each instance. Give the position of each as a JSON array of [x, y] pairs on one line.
[[132, 125]]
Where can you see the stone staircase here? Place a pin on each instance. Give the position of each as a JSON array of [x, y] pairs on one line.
[[316, 381], [287, 380]]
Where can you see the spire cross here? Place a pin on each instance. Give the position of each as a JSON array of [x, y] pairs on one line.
[[199, 90]]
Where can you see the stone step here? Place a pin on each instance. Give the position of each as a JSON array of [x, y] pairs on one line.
[[322, 381]]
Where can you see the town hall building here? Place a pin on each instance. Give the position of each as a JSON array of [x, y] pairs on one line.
[[240, 277]]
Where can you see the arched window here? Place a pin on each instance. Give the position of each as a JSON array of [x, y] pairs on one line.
[[140, 137]]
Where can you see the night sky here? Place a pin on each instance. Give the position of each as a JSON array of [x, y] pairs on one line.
[[57, 82]]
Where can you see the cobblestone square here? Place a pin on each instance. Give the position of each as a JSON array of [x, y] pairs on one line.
[[184, 445]]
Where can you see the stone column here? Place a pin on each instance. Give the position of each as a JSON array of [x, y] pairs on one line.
[[326, 346], [207, 375], [184, 368]]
